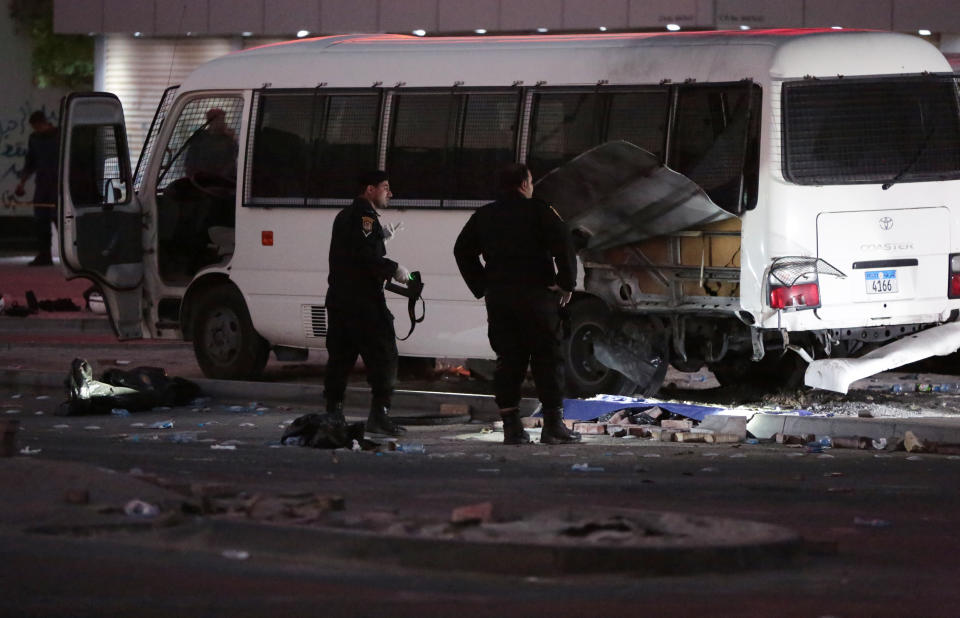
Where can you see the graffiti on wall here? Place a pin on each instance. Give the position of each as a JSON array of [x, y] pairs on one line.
[[14, 133]]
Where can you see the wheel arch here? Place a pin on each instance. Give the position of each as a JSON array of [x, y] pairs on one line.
[[195, 292]]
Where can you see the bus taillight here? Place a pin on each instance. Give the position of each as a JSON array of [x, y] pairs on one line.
[[805, 296], [953, 283]]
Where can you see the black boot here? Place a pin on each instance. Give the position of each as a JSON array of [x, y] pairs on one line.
[[513, 432], [335, 411], [380, 423], [554, 431]]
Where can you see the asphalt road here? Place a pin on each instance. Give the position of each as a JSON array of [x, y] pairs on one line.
[[881, 528]]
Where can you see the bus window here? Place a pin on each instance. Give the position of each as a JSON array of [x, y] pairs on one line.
[[563, 126], [894, 129], [639, 118], [344, 142], [715, 141], [447, 145], [95, 174]]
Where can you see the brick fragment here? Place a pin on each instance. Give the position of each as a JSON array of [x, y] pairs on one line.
[[681, 424], [454, 409], [591, 429], [689, 436], [721, 438], [482, 512]]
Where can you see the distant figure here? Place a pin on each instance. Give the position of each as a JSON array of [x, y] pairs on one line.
[[43, 159], [528, 272], [213, 150]]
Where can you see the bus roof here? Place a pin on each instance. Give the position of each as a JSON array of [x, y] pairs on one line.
[[351, 61]]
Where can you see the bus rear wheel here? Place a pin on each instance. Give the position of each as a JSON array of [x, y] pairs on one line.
[[225, 343], [585, 375]]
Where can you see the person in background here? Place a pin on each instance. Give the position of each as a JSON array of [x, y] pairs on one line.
[[43, 159], [358, 321], [528, 272]]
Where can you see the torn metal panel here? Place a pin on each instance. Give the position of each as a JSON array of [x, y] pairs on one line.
[[837, 374], [618, 193]]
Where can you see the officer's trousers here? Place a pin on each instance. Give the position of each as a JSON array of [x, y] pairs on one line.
[[524, 329], [367, 332]]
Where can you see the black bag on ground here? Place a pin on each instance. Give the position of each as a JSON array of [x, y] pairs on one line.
[[322, 431], [142, 388]]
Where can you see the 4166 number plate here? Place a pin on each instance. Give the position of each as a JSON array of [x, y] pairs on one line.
[[881, 281]]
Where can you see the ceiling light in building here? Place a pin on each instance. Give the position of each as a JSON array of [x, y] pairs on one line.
[[138, 34], [542, 30], [420, 32], [603, 28], [246, 34], [924, 32], [302, 33], [836, 27], [673, 27], [481, 30], [744, 27]]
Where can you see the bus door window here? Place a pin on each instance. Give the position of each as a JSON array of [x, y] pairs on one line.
[[196, 186], [715, 141]]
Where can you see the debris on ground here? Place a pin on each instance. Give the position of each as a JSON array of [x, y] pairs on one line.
[[142, 388], [322, 431]]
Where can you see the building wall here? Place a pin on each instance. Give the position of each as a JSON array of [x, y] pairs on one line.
[[285, 17], [18, 98]]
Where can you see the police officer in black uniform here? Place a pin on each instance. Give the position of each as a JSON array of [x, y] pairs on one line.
[[358, 321], [520, 240]]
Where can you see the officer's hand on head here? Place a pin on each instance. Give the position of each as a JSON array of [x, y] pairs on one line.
[[390, 230], [402, 275]]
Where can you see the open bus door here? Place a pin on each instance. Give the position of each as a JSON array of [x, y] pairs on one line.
[[100, 221]]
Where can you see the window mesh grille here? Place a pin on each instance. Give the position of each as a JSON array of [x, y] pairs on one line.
[[190, 132], [871, 130], [95, 166], [165, 102]]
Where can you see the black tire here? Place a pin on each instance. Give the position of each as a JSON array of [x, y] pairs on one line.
[[224, 341], [585, 375]]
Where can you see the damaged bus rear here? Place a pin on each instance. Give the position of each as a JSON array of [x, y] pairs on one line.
[[816, 225]]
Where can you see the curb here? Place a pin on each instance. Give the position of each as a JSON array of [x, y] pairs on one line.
[[52, 325], [406, 403]]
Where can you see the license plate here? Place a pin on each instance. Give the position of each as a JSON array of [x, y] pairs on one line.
[[881, 281]]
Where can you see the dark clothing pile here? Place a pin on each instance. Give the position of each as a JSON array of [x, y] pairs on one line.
[[142, 388]]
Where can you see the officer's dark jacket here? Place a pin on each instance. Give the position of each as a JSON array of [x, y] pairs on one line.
[[519, 240], [358, 263]]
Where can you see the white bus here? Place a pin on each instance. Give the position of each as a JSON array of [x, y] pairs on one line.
[[834, 157]]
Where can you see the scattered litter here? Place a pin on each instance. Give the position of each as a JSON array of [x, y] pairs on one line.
[[235, 554], [652, 455], [92, 427], [139, 508], [121, 362], [61, 426], [490, 470], [355, 446], [824, 456], [585, 467], [247, 425], [409, 448], [711, 454], [183, 437], [738, 456], [16, 396], [42, 397], [752, 441], [162, 425], [914, 458], [29, 451], [138, 424], [871, 523], [883, 456], [795, 454], [472, 514], [708, 469], [224, 447], [38, 413], [120, 412], [832, 474], [12, 411]]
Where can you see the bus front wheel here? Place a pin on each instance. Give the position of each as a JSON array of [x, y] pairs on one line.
[[225, 343]]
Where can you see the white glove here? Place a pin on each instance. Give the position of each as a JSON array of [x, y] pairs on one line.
[[402, 275], [565, 296], [390, 230]]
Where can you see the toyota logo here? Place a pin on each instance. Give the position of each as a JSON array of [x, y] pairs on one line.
[[886, 223]]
